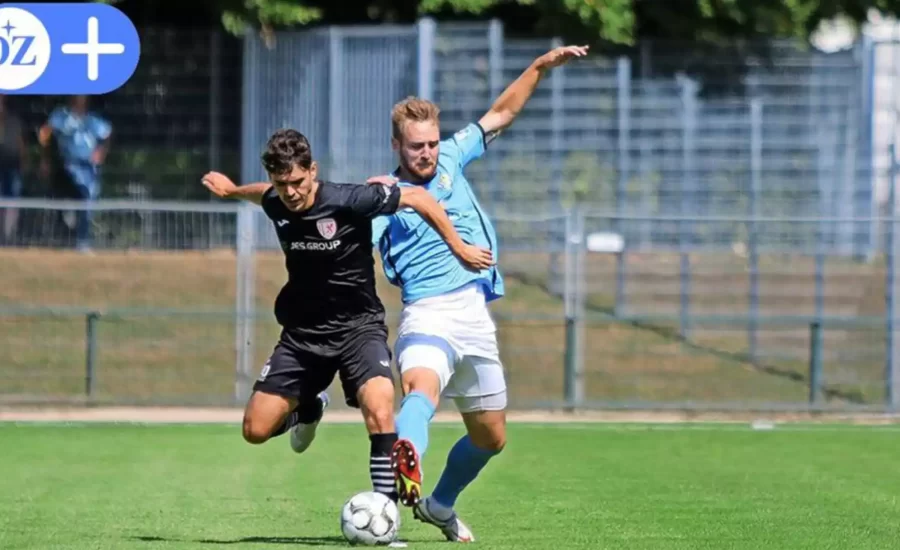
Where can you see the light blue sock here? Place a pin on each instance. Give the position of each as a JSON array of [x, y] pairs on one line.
[[416, 411], [464, 463]]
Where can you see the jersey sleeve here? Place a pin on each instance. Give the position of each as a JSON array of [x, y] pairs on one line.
[[269, 201], [466, 145], [370, 201], [101, 128], [57, 119]]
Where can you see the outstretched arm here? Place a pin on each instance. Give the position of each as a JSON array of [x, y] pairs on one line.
[[384, 199], [424, 204], [507, 107], [222, 186]]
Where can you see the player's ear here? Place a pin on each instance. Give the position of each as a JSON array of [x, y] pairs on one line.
[[395, 144], [313, 170]]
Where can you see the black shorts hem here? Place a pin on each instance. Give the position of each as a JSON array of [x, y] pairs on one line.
[[350, 391], [272, 389]]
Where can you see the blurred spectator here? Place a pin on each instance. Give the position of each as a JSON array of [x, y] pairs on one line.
[[82, 143], [13, 158]]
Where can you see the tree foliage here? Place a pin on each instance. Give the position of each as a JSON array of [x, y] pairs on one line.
[[613, 22]]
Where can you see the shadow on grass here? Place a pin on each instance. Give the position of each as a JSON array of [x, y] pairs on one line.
[[303, 541]]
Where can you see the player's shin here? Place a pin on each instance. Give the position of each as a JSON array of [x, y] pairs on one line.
[[416, 412], [380, 464], [464, 463]]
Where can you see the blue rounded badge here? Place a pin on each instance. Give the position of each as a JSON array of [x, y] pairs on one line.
[[65, 49]]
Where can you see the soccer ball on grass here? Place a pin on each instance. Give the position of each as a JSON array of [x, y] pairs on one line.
[[370, 518]]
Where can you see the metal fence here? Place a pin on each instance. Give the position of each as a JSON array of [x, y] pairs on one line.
[[677, 230], [652, 133], [174, 305]]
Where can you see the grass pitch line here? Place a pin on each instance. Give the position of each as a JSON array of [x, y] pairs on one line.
[[638, 419]]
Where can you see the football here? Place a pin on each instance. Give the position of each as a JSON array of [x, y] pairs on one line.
[[370, 519]]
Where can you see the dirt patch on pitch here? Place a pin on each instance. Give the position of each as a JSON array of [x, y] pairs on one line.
[[176, 415]]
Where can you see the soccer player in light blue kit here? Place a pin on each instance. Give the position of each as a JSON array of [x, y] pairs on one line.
[[447, 341]]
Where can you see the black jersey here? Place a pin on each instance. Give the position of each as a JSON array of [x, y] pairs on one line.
[[328, 254]]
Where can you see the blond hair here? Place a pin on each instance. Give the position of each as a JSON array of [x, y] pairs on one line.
[[412, 109]]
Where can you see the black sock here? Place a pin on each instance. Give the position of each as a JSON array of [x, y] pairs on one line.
[[306, 412], [380, 464]]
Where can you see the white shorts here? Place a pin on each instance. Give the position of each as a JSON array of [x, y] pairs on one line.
[[454, 335]]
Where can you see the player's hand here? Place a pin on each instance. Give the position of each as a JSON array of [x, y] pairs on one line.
[[219, 184], [560, 56], [382, 180], [475, 258]]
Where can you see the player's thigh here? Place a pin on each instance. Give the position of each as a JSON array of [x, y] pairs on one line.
[[478, 384], [426, 364], [366, 376], [289, 376]]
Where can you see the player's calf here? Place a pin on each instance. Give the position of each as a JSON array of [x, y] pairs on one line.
[[376, 400]]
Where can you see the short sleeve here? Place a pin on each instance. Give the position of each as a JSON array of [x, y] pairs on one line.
[[269, 202], [101, 128], [371, 200], [57, 118], [466, 145]]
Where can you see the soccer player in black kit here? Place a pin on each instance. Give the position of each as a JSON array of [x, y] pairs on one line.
[[332, 320]]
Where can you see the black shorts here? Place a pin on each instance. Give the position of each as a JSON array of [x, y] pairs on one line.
[[300, 369]]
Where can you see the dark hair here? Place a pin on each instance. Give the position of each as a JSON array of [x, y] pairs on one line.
[[285, 149]]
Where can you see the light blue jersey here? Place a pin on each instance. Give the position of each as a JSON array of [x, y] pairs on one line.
[[78, 136], [414, 256]]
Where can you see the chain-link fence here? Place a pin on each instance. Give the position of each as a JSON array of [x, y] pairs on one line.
[[174, 305], [678, 228]]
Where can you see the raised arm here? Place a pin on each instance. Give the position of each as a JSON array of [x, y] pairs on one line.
[[222, 186], [507, 107]]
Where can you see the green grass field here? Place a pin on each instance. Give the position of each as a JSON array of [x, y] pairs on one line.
[[581, 486]]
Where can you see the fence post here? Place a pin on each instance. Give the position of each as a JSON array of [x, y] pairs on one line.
[[336, 130], [557, 120], [90, 353], [427, 29], [244, 311], [623, 77], [496, 82], [570, 369], [890, 278], [815, 362], [756, 119], [573, 381], [688, 196]]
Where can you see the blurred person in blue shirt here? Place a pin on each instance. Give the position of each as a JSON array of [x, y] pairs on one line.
[[13, 158], [82, 143]]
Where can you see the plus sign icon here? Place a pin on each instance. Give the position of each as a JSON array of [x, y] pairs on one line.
[[65, 48]]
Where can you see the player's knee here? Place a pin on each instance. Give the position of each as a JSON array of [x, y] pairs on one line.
[[254, 433], [492, 442], [422, 380], [376, 399], [487, 429]]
